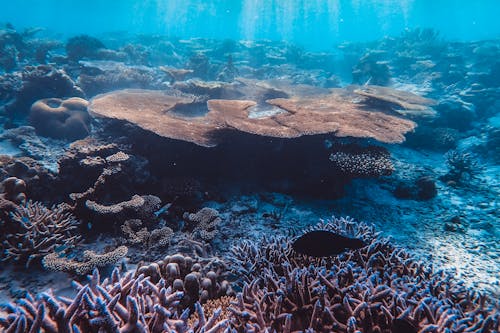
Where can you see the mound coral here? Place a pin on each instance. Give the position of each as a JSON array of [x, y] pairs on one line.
[[153, 299], [61, 119], [35, 231], [378, 288]]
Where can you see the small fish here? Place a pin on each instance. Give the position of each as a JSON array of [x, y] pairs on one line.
[[163, 209], [323, 243], [401, 325], [328, 144]]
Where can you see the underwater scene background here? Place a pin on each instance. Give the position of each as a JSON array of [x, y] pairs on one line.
[[250, 166]]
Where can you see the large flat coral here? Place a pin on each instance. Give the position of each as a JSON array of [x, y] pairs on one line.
[[334, 113]]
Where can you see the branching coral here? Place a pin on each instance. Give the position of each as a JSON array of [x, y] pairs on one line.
[[91, 261], [153, 299], [363, 162], [205, 223], [462, 166], [373, 289], [145, 307], [142, 236], [35, 231]]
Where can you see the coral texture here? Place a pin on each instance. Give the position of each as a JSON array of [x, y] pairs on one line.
[[291, 117], [35, 231], [205, 223], [61, 119], [362, 161], [156, 298], [91, 261], [373, 289], [136, 235]]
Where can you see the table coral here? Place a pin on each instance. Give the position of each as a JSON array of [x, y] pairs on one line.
[[91, 261]]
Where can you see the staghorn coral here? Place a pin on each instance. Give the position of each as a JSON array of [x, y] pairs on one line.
[[34, 231], [462, 166], [205, 223], [121, 303], [369, 161], [91, 261], [142, 236], [373, 289]]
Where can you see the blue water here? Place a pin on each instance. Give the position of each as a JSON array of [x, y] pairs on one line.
[[317, 24]]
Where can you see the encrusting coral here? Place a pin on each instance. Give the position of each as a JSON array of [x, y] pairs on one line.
[[156, 298], [378, 288], [91, 261], [34, 231]]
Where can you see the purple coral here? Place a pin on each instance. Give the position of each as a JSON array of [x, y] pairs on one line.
[[372, 289], [152, 299]]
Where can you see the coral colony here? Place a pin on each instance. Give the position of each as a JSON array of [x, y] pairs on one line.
[[173, 186]]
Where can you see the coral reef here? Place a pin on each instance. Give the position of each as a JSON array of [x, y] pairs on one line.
[[155, 298], [11, 196], [38, 82], [90, 261], [463, 166], [336, 115], [378, 288], [83, 46], [204, 223], [137, 234], [421, 188], [37, 178], [362, 161], [112, 76], [61, 119], [34, 231]]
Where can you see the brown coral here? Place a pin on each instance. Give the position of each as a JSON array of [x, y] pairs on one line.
[[334, 113], [152, 111], [61, 119], [412, 105], [362, 161], [91, 261]]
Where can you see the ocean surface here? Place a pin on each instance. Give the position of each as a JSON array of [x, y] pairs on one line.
[[250, 166]]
